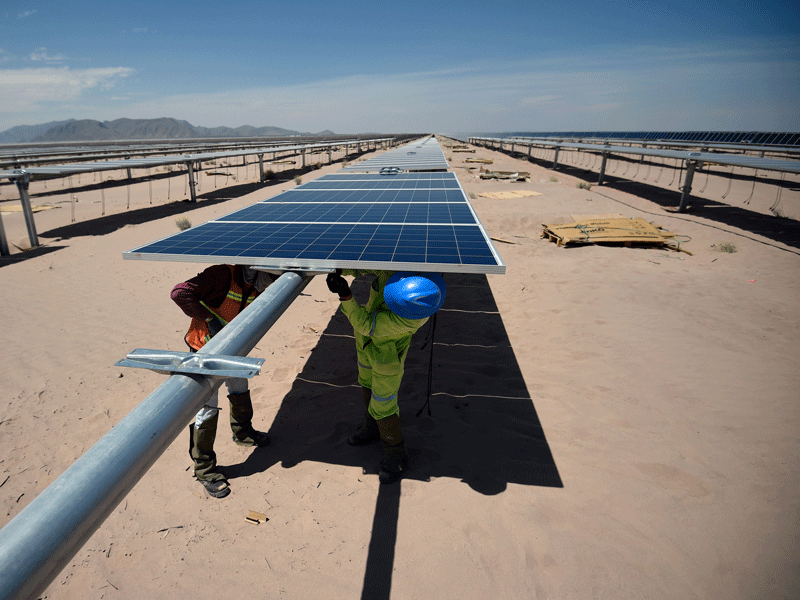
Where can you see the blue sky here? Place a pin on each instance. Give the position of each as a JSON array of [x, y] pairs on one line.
[[352, 67]]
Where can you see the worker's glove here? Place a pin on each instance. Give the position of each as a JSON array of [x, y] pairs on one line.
[[214, 326], [338, 284]]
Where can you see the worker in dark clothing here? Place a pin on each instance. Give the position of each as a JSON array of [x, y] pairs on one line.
[[399, 304], [212, 299]]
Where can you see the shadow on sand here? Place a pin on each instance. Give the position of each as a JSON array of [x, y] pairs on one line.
[[779, 229], [483, 428]]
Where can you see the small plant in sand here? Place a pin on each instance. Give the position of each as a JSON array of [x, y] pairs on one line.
[[183, 223], [553, 179], [778, 213], [270, 174], [298, 180], [724, 247], [472, 196], [344, 163], [584, 185]]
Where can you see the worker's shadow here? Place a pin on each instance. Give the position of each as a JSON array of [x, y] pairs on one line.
[[483, 428]]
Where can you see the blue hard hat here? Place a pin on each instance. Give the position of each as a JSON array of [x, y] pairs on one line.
[[414, 295]]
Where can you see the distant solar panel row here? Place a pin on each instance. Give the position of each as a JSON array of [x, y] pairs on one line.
[[420, 228], [425, 155], [743, 137]]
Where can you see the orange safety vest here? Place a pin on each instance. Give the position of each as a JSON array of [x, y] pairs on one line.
[[198, 333]]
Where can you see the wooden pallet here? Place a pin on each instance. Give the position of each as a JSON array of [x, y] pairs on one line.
[[607, 230]]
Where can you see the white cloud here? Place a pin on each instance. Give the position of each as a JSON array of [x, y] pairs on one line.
[[26, 14], [41, 55], [26, 90]]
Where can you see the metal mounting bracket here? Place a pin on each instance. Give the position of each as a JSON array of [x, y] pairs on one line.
[[192, 363]]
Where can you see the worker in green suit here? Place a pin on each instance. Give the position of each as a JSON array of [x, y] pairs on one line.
[[399, 304]]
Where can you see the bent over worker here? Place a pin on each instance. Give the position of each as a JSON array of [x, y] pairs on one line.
[[399, 304], [212, 299]]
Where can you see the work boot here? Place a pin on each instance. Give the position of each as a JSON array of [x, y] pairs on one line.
[[368, 430], [201, 449], [241, 422], [395, 456]]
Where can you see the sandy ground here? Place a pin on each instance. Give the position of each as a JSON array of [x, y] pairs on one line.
[[606, 422]]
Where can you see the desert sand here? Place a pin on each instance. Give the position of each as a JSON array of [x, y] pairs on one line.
[[606, 422]]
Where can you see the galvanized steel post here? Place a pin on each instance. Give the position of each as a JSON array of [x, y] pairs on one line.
[[22, 185], [686, 190], [37, 543], [602, 168], [261, 167], [4, 251], [555, 158], [192, 192]]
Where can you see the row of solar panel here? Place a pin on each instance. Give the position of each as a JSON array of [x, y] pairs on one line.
[[425, 155], [734, 137], [432, 244], [407, 184], [416, 176], [312, 195], [337, 222], [353, 212]]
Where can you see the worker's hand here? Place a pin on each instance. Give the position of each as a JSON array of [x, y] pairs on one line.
[[214, 326], [338, 284]]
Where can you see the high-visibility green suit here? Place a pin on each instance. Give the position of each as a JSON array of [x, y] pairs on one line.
[[382, 342]]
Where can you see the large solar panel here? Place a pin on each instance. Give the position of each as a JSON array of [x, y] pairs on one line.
[[425, 155], [399, 222]]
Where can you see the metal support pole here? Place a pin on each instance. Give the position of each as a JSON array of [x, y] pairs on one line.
[[303, 152], [261, 167], [192, 192], [529, 151], [4, 251], [602, 169], [22, 185], [555, 159], [687, 185], [37, 543]]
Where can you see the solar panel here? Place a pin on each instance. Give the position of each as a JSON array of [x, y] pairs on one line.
[[400, 222], [425, 155]]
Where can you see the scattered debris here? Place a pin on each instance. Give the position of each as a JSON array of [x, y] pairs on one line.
[[609, 229], [9, 208], [724, 247], [485, 161], [463, 149], [510, 175], [502, 240], [510, 194], [254, 518]]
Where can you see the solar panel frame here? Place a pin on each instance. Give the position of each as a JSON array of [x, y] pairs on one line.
[[288, 231]]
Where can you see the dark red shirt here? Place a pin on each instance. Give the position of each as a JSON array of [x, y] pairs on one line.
[[211, 286]]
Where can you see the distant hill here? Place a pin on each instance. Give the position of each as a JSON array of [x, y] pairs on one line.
[[134, 129], [25, 133]]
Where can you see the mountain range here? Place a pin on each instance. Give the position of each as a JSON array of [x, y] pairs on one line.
[[134, 129]]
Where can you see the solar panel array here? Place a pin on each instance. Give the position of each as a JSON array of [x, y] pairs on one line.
[[397, 222], [734, 137], [714, 158], [108, 165], [424, 155]]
